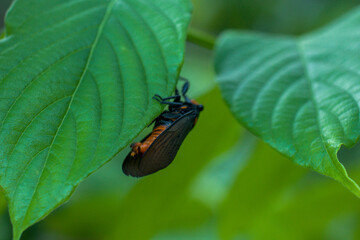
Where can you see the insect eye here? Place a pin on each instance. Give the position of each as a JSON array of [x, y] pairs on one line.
[[200, 107]]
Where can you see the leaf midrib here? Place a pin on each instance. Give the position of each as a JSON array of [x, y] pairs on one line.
[[94, 45]]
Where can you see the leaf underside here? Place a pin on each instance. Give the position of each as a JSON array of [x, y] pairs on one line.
[[301, 95], [76, 86]]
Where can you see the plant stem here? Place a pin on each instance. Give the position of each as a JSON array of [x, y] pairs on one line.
[[201, 38]]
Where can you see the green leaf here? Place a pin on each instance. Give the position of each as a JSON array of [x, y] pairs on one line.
[[301, 95], [76, 86]]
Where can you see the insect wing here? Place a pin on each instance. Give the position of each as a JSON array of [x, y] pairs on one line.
[[163, 150], [131, 163]]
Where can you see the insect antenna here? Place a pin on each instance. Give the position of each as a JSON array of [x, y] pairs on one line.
[[163, 100], [185, 89]]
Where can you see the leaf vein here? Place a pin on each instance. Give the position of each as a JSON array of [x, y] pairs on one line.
[[154, 37], [312, 96], [100, 31], [140, 60], [36, 78]]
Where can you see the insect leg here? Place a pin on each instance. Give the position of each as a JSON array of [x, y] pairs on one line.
[[172, 103], [167, 98], [178, 96], [161, 100]]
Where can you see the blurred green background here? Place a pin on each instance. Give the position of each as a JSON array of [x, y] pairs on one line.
[[225, 183]]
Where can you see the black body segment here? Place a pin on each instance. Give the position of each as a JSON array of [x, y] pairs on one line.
[[157, 150]]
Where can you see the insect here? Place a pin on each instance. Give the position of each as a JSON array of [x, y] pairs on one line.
[[157, 150]]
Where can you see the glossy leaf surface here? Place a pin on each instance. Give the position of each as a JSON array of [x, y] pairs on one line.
[[301, 95], [76, 86]]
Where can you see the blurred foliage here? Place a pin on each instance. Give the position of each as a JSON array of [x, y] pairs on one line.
[[224, 183], [273, 16], [271, 84], [4, 5]]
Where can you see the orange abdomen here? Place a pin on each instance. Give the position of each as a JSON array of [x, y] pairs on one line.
[[141, 147]]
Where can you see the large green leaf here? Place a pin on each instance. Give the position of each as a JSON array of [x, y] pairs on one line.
[[301, 95], [76, 86]]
